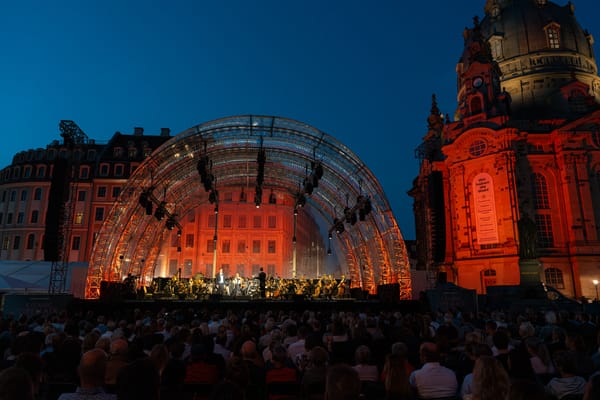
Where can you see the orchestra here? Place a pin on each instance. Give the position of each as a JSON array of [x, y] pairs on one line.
[[200, 287]]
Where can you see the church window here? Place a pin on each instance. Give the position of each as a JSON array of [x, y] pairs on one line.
[[545, 237], [554, 277], [477, 148], [496, 47], [540, 192], [553, 35]]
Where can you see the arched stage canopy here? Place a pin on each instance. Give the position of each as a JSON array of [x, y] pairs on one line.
[[371, 252]]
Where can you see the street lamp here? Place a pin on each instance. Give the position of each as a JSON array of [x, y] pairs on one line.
[[595, 282]]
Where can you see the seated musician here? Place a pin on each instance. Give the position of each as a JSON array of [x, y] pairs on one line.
[[237, 284]]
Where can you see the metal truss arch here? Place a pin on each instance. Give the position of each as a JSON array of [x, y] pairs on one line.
[[128, 237]]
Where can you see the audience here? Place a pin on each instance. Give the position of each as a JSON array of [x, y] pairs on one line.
[[91, 370]]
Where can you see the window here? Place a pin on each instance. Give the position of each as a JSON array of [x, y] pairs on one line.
[[81, 195], [9, 218], [27, 172], [540, 192], [272, 221], [78, 218], [255, 269], [174, 240], [173, 269], [17, 243], [132, 152], [228, 197], [102, 191], [34, 216], [118, 152], [76, 243], [211, 220], [1, 217], [545, 237], [104, 170], [5, 243], [242, 196], [116, 191], [37, 194], [189, 240], [227, 221], [553, 35], [271, 269], [496, 47], [210, 246], [4, 196], [241, 247], [99, 214], [554, 277], [271, 247], [84, 172], [226, 246], [24, 195], [187, 267], [256, 246], [477, 148], [119, 170], [241, 269], [242, 221], [30, 241], [191, 216], [13, 195], [41, 171], [257, 221]]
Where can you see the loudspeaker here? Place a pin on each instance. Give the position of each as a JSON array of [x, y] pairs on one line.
[[442, 277], [389, 292], [111, 291]]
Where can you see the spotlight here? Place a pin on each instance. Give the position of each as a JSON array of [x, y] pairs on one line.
[[171, 223], [161, 210], [179, 233]]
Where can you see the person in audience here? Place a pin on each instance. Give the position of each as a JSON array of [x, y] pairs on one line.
[[490, 380], [342, 383], [15, 384], [568, 382], [540, 359], [433, 380], [117, 359], [139, 380], [395, 379], [366, 370], [91, 370]]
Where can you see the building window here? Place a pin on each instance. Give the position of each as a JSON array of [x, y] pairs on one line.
[[13, 195], [116, 191], [174, 240], [477, 148], [79, 218], [553, 35], [256, 269], [226, 246], [41, 172], [104, 170], [241, 246], [545, 237], [272, 221], [554, 277], [256, 246], [4, 196], [99, 214], [9, 218], [496, 47], [211, 220], [76, 243], [242, 222], [17, 243], [189, 240], [1, 217], [81, 195], [37, 194], [5, 243], [102, 191], [24, 195], [20, 217], [187, 267], [30, 241], [540, 192], [243, 196], [210, 246], [84, 172], [132, 152], [228, 197], [271, 247], [227, 221], [34, 216], [119, 170], [173, 268], [191, 216], [27, 172], [241, 269], [257, 221], [118, 152], [271, 269]]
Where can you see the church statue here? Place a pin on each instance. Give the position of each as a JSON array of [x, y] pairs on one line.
[[527, 238]]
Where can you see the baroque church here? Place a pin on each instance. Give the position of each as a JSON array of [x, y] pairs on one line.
[[508, 190]]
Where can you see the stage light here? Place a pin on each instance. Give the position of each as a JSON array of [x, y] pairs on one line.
[[161, 210], [179, 233]]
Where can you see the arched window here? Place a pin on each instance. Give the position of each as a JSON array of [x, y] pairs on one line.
[[554, 277], [553, 35], [540, 192]]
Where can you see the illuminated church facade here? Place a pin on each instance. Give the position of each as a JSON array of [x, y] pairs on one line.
[[510, 187]]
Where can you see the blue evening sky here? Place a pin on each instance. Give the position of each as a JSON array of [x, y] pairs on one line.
[[362, 71]]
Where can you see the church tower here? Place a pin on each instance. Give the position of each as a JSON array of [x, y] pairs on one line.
[[508, 192]]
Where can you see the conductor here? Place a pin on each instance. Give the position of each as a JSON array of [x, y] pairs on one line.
[[262, 279]]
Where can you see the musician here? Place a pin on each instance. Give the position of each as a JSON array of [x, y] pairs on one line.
[[262, 279], [237, 284], [221, 281]]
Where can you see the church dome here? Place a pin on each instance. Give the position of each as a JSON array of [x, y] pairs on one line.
[[540, 48]]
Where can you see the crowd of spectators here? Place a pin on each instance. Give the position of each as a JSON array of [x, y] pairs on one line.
[[211, 352]]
